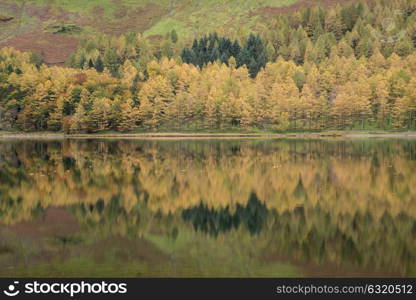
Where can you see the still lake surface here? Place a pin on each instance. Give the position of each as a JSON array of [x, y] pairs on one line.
[[220, 208]]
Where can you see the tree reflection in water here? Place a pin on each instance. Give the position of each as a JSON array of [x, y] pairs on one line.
[[214, 221], [346, 203]]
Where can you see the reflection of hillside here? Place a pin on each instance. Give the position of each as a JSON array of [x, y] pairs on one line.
[[359, 239], [303, 234], [343, 177], [341, 202]]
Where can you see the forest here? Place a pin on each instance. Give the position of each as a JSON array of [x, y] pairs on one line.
[[350, 66]]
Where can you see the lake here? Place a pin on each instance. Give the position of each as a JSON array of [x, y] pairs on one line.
[[217, 208]]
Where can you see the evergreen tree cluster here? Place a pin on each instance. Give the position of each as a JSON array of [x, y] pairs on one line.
[[209, 49], [215, 48]]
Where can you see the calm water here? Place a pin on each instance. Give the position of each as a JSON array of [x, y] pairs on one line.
[[208, 208]]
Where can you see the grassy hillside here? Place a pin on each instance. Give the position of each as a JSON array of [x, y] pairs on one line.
[[151, 17], [186, 16], [34, 23]]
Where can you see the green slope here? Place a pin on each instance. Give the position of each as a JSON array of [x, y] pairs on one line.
[[41, 25], [188, 17]]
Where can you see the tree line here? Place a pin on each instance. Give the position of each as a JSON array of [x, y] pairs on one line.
[[314, 69]]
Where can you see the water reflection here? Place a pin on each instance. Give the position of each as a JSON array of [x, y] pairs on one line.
[[345, 206], [214, 221]]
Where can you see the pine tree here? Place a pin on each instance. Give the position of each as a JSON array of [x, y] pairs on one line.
[[128, 117], [55, 118], [25, 119], [333, 24], [128, 73], [111, 61], [98, 117], [253, 55], [311, 53], [99, 65], [156, 95], [90, 64], [210, 110], [404, 46], [174, 36], [79, 119], [405, 109]]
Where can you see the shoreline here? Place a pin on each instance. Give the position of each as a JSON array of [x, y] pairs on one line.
[[179, 135]]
